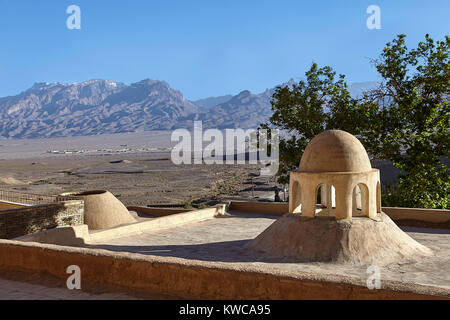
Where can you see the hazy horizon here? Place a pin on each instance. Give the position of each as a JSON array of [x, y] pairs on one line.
[[206, 97]]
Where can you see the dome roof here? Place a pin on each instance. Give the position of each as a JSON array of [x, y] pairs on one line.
[[102, 210], [335, 151]]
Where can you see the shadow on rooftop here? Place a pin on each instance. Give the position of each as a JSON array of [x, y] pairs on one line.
[[424, 230], [230, 251]]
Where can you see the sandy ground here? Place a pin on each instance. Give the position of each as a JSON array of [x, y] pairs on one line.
[[100, 144], [137, 168]]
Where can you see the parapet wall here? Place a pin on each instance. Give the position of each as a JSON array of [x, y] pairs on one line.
[[419, 217], [18, 222], [157, 224], [158, 212], [269, 208], [403, 216], [194, 279], [76, 235]]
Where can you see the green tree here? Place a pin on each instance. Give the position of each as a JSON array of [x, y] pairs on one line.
[[306, 109], [407, 119], [404, 120]]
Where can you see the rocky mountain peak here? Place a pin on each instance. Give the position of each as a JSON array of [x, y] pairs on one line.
[[104, 106]]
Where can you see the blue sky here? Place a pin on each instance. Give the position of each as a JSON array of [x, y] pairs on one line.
[[203, 48]]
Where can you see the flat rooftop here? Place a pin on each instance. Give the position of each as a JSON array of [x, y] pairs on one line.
[[20, 290], [223, 239], [203, 254]]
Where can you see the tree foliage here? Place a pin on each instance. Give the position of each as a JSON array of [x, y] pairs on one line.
[[404, 120]]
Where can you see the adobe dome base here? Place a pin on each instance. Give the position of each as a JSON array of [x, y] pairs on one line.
[[361, 241]]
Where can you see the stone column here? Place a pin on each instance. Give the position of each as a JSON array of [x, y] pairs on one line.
[[324, 195], [309, 200], [354, 201], [378, 190], [329, 188], [372, 201], [343, 202], [365, 201], [294, 195]]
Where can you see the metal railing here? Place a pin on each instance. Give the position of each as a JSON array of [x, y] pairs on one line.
[[29, 198]]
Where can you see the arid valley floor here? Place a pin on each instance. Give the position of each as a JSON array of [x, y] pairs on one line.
[[135, 167]]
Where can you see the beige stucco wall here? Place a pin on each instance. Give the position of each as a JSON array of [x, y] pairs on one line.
[[65, 236], [158, 212], [396, 214], [304, 188], [79, 235], [194, 279], [202, 279], [269, 208], [426, 215], [161, 223]]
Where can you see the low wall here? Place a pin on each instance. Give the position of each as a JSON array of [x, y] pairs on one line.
[[426, 215], [63, 236], [406, 216], [157, 224], [4, 205], [30, 198], [18, 222], [195, 279], [157, 212], [80, 235], [269, 208]]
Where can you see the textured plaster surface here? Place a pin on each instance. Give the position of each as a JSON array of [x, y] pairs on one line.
[[22, 286], [224, 239], [335, 151], [19, 290], [102, 210], [362, 241]]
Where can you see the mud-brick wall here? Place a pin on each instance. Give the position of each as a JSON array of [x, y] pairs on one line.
[[28, 220]]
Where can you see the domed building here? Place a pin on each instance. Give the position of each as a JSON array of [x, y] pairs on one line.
[[335, 211], [335, 178]]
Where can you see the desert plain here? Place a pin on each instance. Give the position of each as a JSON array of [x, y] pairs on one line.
[[136, 167]]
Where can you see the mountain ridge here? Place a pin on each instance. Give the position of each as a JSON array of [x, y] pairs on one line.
[[100, 106]]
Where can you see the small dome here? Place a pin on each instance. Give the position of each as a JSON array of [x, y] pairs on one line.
[[335, 151], [102, 210]]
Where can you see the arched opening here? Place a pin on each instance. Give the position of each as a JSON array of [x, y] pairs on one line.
[[360, 199], [333, 197], [321, 201], [357, 206], [296, 197], [325, 200]]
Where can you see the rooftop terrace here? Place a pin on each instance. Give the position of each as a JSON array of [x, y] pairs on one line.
[[198, 254]]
